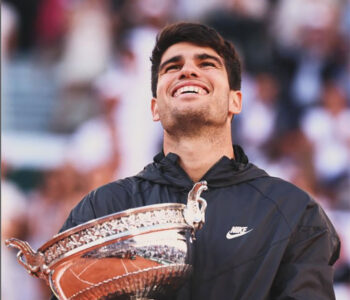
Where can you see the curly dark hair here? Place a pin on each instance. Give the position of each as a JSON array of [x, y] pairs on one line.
[[200, 35]]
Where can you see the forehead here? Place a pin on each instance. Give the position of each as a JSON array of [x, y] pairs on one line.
[[187, 50]]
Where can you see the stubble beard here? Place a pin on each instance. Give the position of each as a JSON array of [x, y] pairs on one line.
[[191, 124]]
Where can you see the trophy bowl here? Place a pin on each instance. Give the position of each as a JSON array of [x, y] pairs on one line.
[[139, 253]]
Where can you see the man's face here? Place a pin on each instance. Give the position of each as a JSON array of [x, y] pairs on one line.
[[193, 89]]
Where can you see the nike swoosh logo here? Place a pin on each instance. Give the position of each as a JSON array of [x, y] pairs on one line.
[[231, 235]]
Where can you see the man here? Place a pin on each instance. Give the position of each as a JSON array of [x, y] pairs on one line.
[[263, 237]]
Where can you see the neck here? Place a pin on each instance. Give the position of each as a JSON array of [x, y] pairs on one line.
[[199, 153]]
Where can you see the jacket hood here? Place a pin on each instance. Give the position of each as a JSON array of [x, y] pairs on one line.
[[166, 170]]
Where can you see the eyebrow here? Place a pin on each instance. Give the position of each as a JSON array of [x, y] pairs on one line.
[[173, 59], [177, 58], [205, 56]]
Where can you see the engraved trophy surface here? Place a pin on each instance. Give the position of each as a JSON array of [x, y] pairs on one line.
[[140, 253]]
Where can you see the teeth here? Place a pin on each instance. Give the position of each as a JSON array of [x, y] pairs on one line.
[[190, 88]]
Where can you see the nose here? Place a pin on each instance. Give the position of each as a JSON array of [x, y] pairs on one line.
[[188, 71]]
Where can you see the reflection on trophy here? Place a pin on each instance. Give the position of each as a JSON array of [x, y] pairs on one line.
[[141, 253]]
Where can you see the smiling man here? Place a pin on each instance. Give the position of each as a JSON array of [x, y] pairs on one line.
[[195, 105], [263, 237]]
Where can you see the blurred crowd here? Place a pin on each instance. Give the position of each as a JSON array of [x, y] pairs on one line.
[[76, 105]]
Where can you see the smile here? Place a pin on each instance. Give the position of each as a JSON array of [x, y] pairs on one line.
[[190, 89]]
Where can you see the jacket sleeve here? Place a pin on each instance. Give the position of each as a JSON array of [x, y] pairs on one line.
[[82, 213], [105, 200], [100, 202], [306, 270]]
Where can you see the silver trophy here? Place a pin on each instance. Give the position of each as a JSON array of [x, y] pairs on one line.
[[141, 253]]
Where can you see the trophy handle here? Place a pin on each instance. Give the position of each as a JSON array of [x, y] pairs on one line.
[[31, 260], [193, 214]]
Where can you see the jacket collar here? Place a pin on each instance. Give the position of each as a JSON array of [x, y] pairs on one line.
[[166, 170]]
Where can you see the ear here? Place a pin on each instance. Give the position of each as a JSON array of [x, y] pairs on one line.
[[235, 104], [154, 110]]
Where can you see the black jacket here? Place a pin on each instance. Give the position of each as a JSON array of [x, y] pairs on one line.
[[286, 250]]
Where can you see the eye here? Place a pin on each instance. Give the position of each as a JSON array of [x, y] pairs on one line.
[[207, 64], [172, 67]]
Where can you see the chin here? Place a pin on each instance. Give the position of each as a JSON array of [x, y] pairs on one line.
[[191, 122]]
